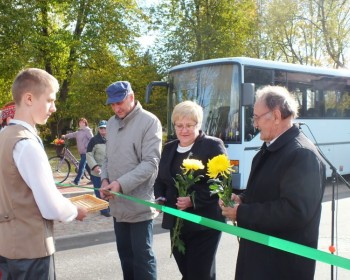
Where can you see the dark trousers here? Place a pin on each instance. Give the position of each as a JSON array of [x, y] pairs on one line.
[[134, 244], [23, 269], [198, 262]]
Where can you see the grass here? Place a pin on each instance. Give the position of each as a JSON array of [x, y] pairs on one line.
[[50, 150]]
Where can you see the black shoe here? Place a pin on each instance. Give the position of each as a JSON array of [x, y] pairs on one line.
[[106, 214]]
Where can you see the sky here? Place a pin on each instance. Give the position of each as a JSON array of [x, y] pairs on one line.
[[149, 38], [147, 2]]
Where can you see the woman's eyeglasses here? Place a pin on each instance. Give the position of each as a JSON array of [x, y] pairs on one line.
[[180, 127]]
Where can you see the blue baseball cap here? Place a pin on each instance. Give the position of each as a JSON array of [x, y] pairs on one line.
[[118, 91], [102, 123]]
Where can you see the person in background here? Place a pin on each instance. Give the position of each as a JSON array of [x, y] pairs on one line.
[[7, 114], [1, 124], [201, 243], [83, 136], [95, 155], [134, 141], [29, 198], [283, 195]]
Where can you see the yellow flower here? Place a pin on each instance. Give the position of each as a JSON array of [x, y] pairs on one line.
[[191, 164], [183, 182], [219, 165]]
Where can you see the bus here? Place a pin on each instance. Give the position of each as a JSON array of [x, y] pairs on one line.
[[225, 88]]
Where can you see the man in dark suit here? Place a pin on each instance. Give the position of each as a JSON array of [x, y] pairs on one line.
[[284, 192]]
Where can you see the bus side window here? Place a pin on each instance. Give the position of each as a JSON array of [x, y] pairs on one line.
[[331, 113], [249, 131], [312, 112], [347, 113]]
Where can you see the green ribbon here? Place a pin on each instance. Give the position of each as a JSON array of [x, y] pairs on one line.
[[257, 237]]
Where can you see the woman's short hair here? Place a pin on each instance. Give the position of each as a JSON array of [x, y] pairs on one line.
[[84, 120], [278, 97], [189, 109]]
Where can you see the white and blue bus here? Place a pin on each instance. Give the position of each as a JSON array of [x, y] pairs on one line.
[[225, 88]]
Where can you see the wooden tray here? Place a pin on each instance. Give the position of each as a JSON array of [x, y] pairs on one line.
[[90, 202]]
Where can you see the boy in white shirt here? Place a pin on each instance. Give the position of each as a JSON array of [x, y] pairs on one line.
[[29, 199]]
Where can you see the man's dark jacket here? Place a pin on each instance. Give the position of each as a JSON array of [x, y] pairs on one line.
[[283, 199]]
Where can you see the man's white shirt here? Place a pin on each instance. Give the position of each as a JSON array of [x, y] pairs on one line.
[[33, 165]]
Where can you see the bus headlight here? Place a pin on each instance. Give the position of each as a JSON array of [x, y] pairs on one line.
[[235, 165]]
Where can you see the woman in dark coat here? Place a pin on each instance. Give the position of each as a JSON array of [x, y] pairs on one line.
[[198, 261]]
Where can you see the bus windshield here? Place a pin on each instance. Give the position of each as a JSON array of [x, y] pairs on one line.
[[216, 89], [225, 88]]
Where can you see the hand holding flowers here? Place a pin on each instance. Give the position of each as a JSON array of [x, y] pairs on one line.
[[230, 212], [183, 183], [220, 166], [219, 170]]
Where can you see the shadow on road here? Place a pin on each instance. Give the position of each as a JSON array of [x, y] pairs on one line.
[[340, 190]]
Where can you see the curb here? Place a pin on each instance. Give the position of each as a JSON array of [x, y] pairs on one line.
[[83, 240], [93, 238]]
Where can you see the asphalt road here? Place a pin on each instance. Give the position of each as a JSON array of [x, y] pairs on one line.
[[100, 260]]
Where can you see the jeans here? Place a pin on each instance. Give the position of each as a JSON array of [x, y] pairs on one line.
[[82, 167], [134, 244], [96, 181]]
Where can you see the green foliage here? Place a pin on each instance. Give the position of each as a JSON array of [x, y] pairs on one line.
[[203, 30], [223, 189], [50, 150], [312, 32], [142, 71], [184, 181], [86, 45]]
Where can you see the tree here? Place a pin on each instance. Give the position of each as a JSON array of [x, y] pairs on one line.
[[334, 21], [312, 32], [202, 29], [85, 44], [90, 86]]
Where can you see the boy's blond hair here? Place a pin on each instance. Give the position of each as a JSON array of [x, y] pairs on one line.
[[33, 80]]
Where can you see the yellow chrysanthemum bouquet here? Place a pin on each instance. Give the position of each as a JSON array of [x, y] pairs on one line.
[[183, 182], [219, 166]]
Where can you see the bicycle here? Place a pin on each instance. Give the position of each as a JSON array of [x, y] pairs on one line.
[[61, 163]]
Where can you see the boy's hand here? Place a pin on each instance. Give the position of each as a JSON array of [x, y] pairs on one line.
[[82, 213]]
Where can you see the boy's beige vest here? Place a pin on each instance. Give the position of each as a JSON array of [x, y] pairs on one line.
[[24, 233]]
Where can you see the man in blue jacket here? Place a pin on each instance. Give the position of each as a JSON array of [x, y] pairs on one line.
[[95, 155]]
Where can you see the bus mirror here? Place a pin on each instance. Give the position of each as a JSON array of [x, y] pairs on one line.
[[150, 87], [248, 93]]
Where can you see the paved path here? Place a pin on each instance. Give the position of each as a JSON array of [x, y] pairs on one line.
[[93, 223], [95, 255], [97, 230]]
